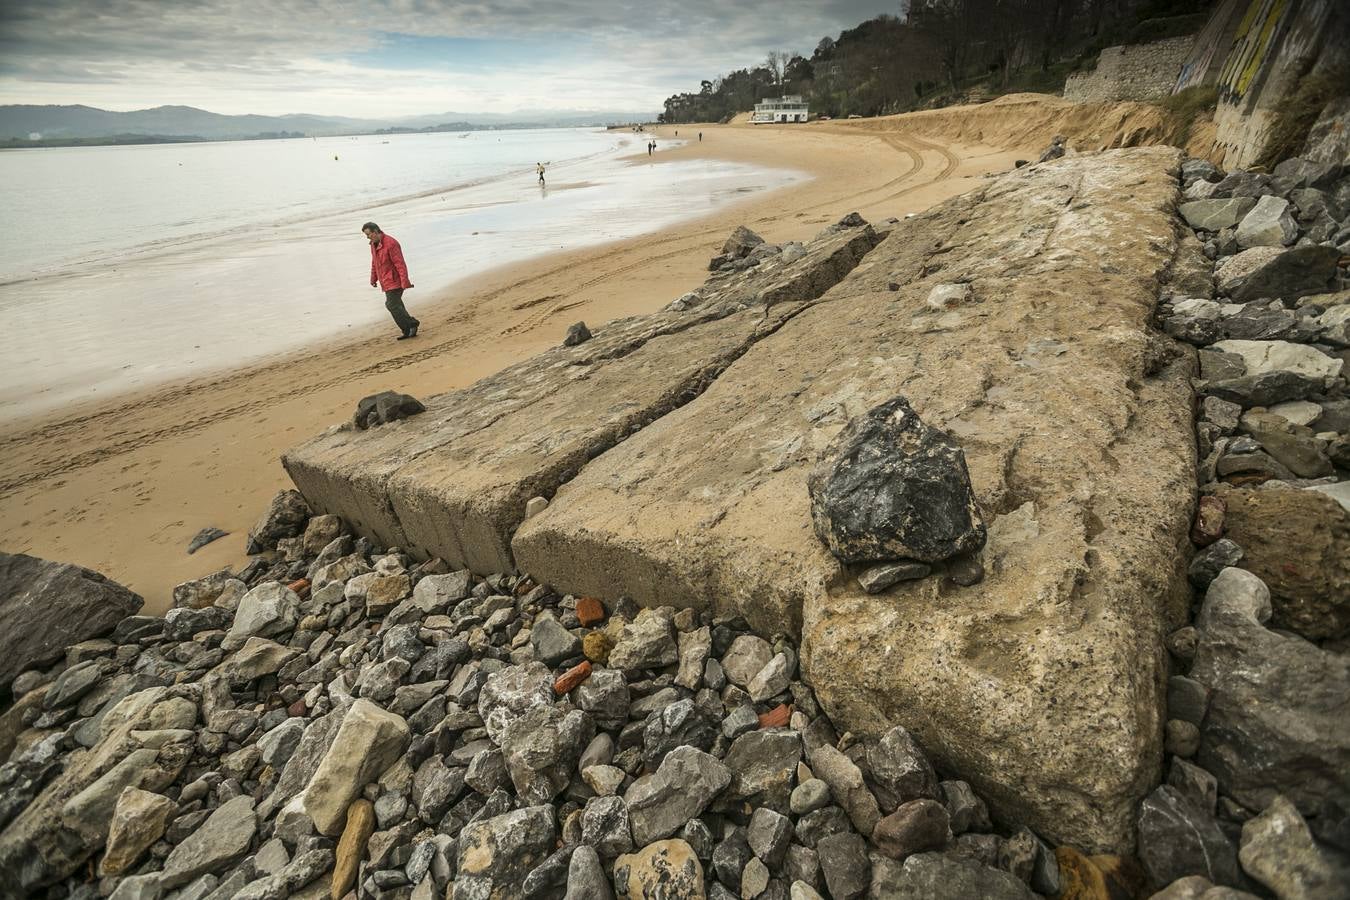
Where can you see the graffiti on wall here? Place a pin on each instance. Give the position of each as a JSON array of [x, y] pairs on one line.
[[1252, 45]]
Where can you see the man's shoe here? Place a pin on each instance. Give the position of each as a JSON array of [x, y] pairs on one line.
[[404, 336], [412, 332]]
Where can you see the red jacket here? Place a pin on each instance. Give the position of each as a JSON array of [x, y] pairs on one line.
[[387, 265]]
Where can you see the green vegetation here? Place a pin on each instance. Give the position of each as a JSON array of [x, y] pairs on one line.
[[1295, 117], [1185, 108], [943, 52]]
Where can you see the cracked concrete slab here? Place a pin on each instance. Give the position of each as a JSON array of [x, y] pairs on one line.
[[453, 481], [1042, 685]]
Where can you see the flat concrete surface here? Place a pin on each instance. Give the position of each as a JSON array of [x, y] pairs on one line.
[[1043, 684]]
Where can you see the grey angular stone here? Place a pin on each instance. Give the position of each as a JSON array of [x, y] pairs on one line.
[[223, 839], [681, 724], [586, 878], [966, 810], [541, 749], [762, 766], [1179, 838], [1194, 783], [769, 834], [1215, 214], [847, 785], [1209, 562], [878, 578], [1279, 712], [938, 876], [577, 333], [646, 643], [891, 487], [549, 877], [660, 804], [496, 854], [844, 862], [605, 826], [914, 827], [1269, 224], [512, 692], [385, 407], [1287, 273], [899, 770], [552, 643], [285, 518], [269, 609], [745, 658], [1187, 699], [822, 823], [1279, 851], [46, 607]]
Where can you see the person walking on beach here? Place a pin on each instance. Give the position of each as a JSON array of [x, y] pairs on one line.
[[540, 167], [390, 273]]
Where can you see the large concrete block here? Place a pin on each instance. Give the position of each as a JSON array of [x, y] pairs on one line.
[[453, 481], [1043, 684]]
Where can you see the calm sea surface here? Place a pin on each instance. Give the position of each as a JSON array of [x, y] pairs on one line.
[[124, 266]]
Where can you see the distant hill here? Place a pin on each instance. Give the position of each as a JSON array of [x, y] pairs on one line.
[[64, 123]]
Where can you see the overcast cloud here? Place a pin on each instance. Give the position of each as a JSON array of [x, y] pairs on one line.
[[394, 57]]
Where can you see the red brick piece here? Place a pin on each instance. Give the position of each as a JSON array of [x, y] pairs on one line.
[[301, 587], [590, 611], [571, 678], [776, 717]]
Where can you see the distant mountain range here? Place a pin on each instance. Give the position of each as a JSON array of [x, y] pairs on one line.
[[55, 123]]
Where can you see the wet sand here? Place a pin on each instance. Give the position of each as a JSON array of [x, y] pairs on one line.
[[122, 484]]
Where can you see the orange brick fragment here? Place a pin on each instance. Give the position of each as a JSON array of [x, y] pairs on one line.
[[776, 717], [590, 611], [571, 678], [301, 587]]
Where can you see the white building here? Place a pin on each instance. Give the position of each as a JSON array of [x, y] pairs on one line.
[[788, 108]]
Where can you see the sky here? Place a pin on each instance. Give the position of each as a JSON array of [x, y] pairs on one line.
[[384, 58]]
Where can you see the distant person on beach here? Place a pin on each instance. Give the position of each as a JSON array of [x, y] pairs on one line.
[[540, 167], [390, 273], [700, 136]]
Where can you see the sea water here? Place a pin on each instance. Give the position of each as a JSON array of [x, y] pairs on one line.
[[127, 266]]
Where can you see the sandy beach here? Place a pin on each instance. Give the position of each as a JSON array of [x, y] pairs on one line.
[[122, 485]]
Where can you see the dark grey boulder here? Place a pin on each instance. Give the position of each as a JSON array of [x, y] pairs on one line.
[[1200, 170], [1264, 388], [1212, 560], [577, 333], [1292, 273], [47, 606], [844, 862], [938, 876], [385, 407], [495, 855], [1305, 173], [891, 487], [681, 724], [741, 242], [1178, 838], [1243, 184], [285, 517], [1279, 710]]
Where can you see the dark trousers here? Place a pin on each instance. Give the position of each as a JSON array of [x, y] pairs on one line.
[[393, 301]]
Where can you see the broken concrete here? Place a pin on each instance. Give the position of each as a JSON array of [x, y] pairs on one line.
[[674, 451], [1042, 685], [454, 481]]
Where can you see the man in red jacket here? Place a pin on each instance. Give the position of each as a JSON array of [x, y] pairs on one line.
[[390, 272]]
